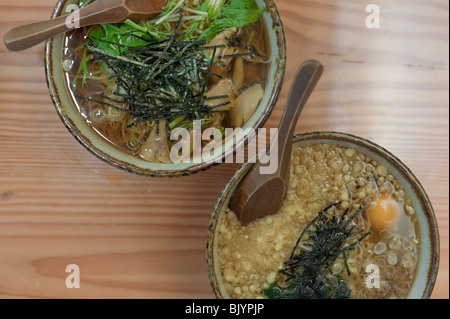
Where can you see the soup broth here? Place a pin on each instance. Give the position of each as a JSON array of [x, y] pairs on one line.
[[137, 118], [331, 188]]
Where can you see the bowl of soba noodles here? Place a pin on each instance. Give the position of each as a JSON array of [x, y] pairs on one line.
[[356, 224], [173, 95]]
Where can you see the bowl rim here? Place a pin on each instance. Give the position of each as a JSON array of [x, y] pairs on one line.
[[279, 76], [425, 202]]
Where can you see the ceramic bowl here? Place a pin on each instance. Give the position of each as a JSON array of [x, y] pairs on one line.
[[429, 237], [78, 127]]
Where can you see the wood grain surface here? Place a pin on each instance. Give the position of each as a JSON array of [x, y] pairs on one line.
[[135, 237]]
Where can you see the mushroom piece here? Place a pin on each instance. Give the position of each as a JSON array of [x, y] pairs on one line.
[[245, 106], [221, 53], [224, 90], [156, 149], [238, 74]]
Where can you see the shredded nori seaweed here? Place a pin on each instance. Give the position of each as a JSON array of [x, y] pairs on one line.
[[308, 270], [159, 81]]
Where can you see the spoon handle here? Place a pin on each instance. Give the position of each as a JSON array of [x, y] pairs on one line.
[[27, 36], [303, 85]]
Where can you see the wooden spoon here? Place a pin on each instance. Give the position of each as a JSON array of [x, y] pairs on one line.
[[261, 195], [101, 11]]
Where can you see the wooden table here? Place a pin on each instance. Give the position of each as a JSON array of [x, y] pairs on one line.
[[135, 237]]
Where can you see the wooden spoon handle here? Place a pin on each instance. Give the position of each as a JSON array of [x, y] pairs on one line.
[[303, 85], [27, 36], [261, 194]]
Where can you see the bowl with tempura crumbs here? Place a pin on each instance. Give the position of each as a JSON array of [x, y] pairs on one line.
[[356, 224], [173, 95]]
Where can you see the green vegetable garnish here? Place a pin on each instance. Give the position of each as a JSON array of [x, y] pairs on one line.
[[237, 13], [83, 70]]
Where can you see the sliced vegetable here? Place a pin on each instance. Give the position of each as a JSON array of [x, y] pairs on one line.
[[246, 105], [221, 96], [156, 149]]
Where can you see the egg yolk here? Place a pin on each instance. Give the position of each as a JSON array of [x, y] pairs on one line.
[[384, 213]]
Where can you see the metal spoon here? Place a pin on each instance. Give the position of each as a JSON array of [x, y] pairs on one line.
[[261, 195], [101, 11]]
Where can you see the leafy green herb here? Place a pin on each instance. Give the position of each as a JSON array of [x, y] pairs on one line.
[[308, 271], [83, 70], [237, 13], [210, 17], [116, 39], [214, 6]]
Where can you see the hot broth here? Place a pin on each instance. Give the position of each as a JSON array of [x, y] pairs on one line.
[[131, 114]]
